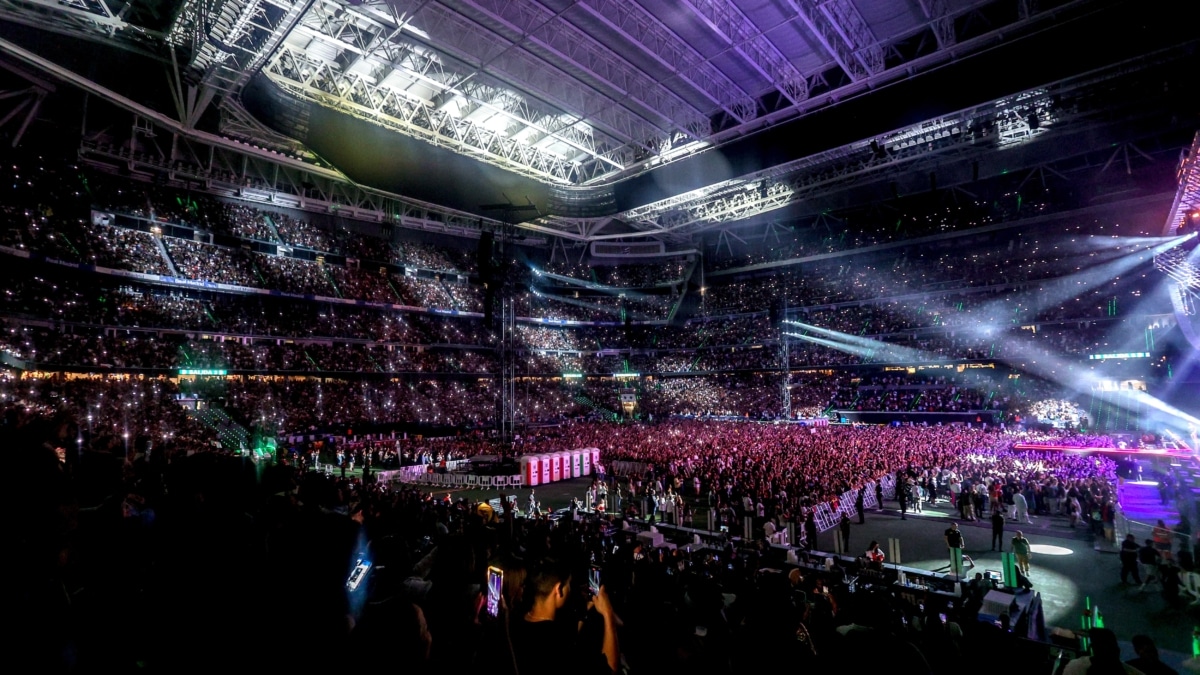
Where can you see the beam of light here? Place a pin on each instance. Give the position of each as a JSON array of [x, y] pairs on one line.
[[873, 350], [1033, 359], [1191, 359], [577, 303], [1115, 244], [837, 335], [614, 291], [1182, 419], [1070, 376], [1048, 549], [1054, 292], [841, 347], [877, 346]]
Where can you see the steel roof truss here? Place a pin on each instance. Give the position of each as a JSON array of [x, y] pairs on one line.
[[725, 19], [643, 28], [539, 26]]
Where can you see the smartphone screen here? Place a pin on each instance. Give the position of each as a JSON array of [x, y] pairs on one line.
[[942, 617], [594, 579], [495, 587], [358, 574]]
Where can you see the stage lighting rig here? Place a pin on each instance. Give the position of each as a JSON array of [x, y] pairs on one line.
[[1176, 264]]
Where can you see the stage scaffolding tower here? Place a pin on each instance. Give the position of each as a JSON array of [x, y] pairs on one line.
[[786, 380], [507, 400], [501, 280]]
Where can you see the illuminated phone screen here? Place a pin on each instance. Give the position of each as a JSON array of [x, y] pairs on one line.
[[494, 587], [359, 573]]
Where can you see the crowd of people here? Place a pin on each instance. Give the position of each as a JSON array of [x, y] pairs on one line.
[[297, 232], [850, 299], [785, 468], [123, 249], [917, 215], [177, 527], [424, 256], [660, 273]]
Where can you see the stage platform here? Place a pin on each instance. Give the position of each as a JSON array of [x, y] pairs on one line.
[[1181, 453]]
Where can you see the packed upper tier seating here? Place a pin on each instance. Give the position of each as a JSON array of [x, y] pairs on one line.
[[651, 273]]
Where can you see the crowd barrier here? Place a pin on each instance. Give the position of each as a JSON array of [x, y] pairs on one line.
[[411, 473], [538, 469], [627, 468], [827, 516], [467, 481]]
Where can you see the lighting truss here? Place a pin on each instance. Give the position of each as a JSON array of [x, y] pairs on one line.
[[1178, 267], [973, 131], [1023, 117], [1187, 199], [1183, 301], [1174, 263], [766, 191]]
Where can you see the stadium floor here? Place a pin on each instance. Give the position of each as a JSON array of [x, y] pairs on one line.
[[1065, 567]]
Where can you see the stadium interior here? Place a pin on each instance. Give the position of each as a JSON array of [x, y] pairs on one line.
[[303, 301]]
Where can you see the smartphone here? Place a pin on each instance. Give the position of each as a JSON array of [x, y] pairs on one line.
[[495, 587], [942, 617], [594, 579], [358, 574]]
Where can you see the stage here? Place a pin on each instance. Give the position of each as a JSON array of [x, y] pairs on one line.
[[1179, 453]]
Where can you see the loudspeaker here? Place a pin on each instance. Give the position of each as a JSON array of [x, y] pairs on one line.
[[483, 254], [776, 313]]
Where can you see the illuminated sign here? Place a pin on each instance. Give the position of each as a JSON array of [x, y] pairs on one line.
[[202, 371], [949, 366], [626, 375], [572, 376], [1120, 355]]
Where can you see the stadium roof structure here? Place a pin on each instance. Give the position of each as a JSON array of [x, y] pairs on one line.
[[617, 119]]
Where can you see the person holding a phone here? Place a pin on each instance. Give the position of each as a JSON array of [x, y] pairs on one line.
[[545, 644]]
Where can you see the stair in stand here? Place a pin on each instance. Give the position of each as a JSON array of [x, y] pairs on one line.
[[232, 435]]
